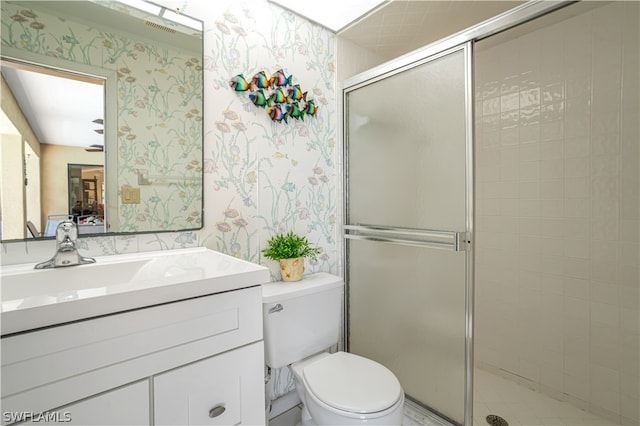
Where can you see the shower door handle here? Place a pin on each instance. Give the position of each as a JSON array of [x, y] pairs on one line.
[[444, 240]]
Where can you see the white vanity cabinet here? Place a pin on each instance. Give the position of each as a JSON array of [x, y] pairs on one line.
[[172, 363]]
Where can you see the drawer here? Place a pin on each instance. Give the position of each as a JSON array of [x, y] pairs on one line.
[[126, 406], [226, 389]]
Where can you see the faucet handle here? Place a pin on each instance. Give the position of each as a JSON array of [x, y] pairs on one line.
[[66, 251], [66, 230]]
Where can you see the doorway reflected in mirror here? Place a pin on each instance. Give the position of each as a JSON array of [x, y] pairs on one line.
[[86, 197]]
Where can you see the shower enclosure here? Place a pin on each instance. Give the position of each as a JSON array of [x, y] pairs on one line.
[[409, 260], [491, 211]]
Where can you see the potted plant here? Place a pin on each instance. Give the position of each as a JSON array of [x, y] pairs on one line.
[[290, 250]]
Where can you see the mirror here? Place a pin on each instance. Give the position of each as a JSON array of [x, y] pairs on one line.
[[139, 69]]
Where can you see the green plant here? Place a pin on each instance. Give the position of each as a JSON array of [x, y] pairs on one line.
[[289, 246]]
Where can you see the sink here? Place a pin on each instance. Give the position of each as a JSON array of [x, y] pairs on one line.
[[33, 298], [20, 285]]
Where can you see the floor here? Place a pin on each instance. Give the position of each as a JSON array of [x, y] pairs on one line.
[[411, 418], [288, 418], [516, 404]]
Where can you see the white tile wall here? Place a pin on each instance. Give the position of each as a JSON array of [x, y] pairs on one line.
[[557, 217], [354, 59]]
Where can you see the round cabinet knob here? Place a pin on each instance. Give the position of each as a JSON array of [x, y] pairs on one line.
[[216, 411]]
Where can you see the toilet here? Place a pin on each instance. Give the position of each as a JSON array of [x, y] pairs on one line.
[[301, 324]]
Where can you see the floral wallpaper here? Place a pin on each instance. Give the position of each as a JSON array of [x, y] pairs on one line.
[[159, 112], [266, 177], [260, 177]]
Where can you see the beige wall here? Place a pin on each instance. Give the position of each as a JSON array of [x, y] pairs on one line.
[[14, 113], [54, 161], [11, 187], [32, 189], [14, 224]]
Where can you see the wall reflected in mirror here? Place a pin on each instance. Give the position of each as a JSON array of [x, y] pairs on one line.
[[143, 121]]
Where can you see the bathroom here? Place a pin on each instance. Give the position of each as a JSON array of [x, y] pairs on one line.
[[262, 178]]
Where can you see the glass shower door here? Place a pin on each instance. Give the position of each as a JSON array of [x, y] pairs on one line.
[[408, 222]]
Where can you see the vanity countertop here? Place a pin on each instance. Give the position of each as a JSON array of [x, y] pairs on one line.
[[33, 299]]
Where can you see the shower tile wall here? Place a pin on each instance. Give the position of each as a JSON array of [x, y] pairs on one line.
[[557, 160]]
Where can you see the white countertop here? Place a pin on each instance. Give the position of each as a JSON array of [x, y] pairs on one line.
[[39, 298]]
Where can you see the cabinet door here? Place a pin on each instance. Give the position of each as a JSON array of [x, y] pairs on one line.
[[128, 405], [226, 389]]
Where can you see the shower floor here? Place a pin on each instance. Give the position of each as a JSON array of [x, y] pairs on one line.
[[521, 406], [518, 405]]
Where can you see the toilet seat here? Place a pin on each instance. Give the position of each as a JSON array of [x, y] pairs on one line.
[[352, 384]]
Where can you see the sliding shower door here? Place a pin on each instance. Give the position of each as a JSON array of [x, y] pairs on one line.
[[408, 227]]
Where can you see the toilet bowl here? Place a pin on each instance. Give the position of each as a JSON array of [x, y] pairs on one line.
[[347, 389], [301, 323]]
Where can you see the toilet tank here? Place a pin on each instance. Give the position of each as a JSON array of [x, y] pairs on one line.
[[301, 318]]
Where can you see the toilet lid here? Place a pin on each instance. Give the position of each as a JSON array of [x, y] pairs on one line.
[[352, 383]]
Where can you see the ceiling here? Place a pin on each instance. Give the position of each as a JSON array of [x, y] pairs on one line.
[[324, 13], [400, 26], [60, 109], [391, 28]]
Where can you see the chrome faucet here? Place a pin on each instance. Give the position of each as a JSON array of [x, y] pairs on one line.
[[66, 251]]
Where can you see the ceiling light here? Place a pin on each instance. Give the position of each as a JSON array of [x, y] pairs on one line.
[[164, 13], [181, 19], [143, 5]]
